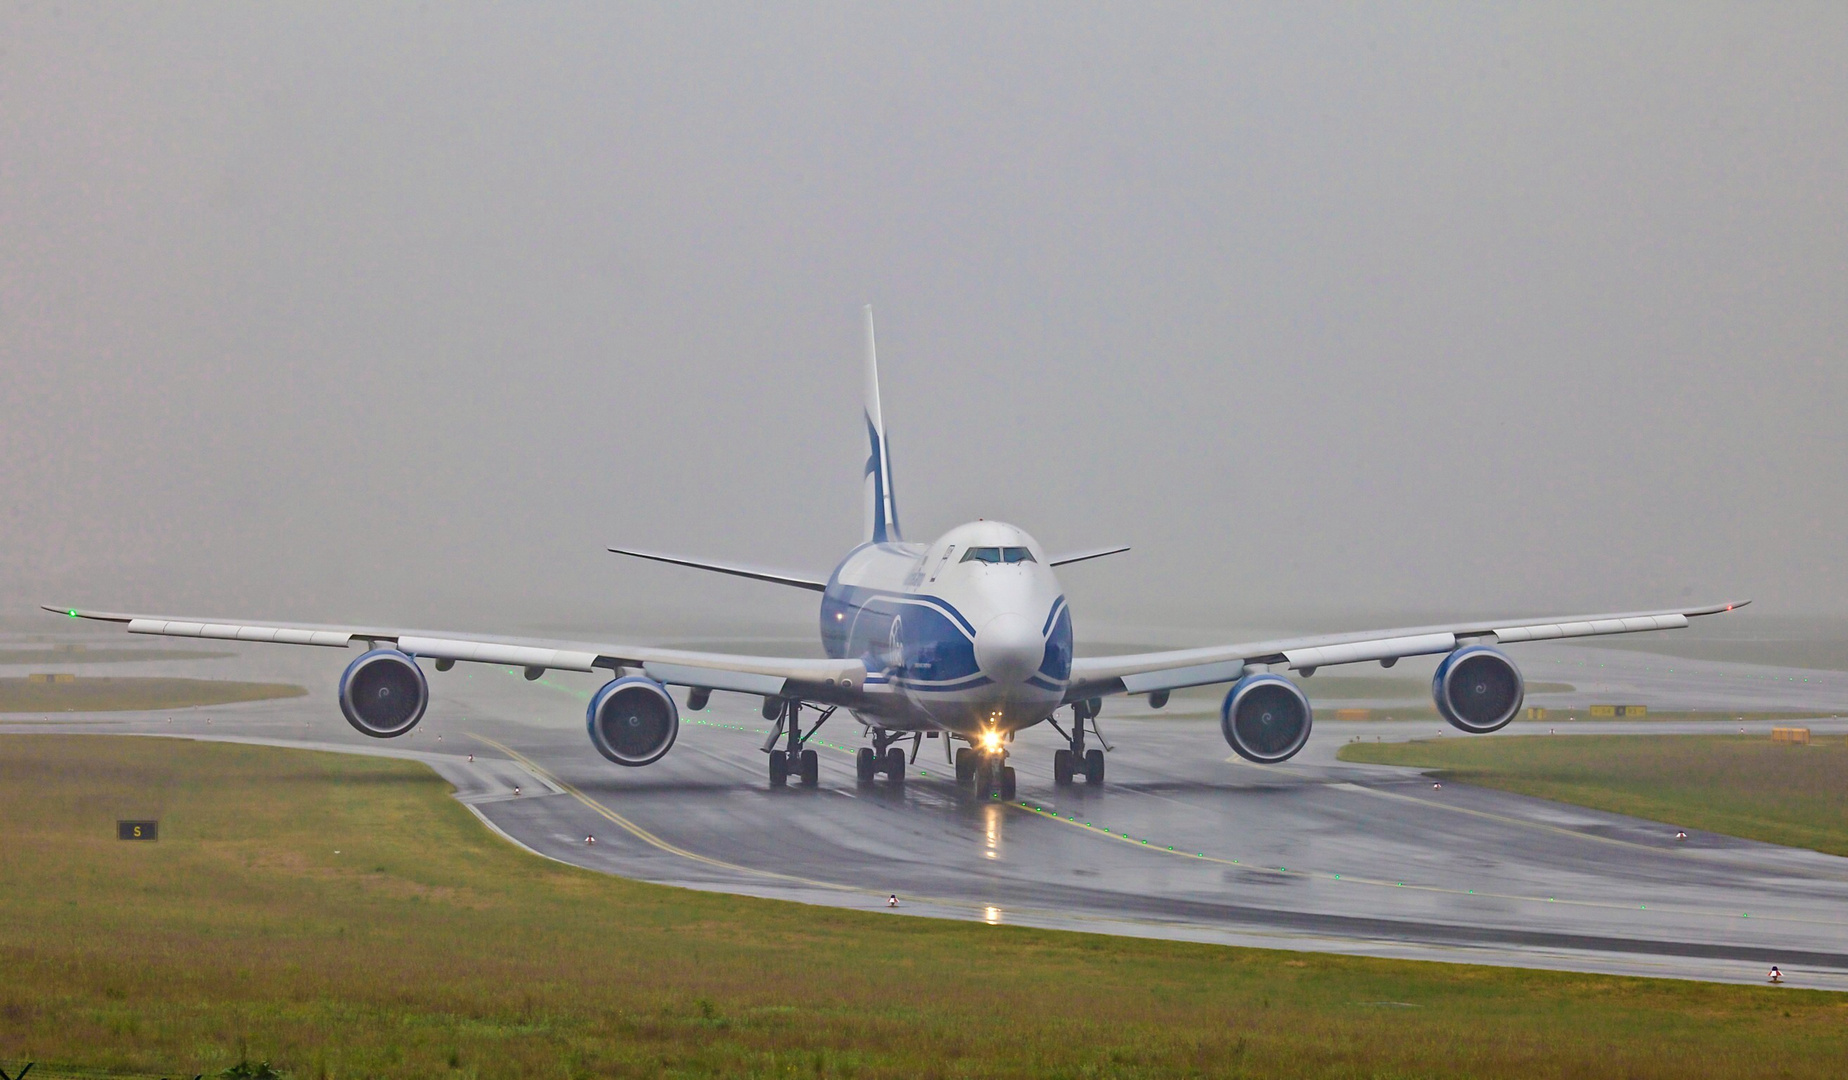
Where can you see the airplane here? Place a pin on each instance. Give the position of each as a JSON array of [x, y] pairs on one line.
[[966, 639]]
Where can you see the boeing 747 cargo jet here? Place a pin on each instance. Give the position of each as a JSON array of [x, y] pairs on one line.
[[967, 639]]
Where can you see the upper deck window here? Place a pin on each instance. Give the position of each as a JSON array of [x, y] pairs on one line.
[[998, 555]]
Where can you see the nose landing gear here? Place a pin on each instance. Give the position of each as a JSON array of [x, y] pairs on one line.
[[994, 777], [989, 772], [1002, 780]]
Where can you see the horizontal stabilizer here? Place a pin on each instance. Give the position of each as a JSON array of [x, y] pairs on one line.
[[726, 568], [1080, 556]]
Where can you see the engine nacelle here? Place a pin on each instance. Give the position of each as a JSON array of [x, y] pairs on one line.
[[384, 693], [632, 721], [1478, 689], [1265, 718]]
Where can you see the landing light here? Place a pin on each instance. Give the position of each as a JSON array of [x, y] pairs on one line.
[[991, 741]]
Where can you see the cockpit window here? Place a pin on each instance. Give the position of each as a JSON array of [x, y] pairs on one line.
[[998, 555]]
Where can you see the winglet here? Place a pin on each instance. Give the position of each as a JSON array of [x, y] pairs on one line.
[[881, 503], [79, 613]]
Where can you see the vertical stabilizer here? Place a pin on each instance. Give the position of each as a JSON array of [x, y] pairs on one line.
[[881, 504]]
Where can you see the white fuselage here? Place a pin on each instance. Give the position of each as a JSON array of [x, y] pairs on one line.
[[966, 634]]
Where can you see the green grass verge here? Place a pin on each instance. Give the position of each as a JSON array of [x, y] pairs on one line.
[[1741, 785], [86, 694], [341, 916]]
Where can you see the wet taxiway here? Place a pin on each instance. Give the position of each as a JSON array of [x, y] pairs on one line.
[[1185, 840]]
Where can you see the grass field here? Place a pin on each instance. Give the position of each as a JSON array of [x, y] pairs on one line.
[[87, 694], [341, 916], [1742, 785]]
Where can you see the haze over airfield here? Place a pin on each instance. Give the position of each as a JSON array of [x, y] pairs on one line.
[[402, 315]]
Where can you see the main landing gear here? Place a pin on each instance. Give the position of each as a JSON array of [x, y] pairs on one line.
[[884, 756], [1078, 761], [987, 770], [794, 759]]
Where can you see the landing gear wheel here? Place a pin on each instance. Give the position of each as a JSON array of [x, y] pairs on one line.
[[984, 780], [1094, 766], [1062, 768], [895, 764], [965, 764], [811, 768], [865, 765], [779, 768], [1007, 783]]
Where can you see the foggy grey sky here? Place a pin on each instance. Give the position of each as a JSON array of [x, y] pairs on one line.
[[403, 315]]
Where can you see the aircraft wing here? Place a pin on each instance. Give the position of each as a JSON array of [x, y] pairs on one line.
[[824, 680], [1144, 673]]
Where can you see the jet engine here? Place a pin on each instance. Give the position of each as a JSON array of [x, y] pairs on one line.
[[1265, 718], [384, 693], [1478, 689], [632, 721]]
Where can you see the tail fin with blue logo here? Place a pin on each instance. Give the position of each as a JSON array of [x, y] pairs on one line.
[[881, 504]]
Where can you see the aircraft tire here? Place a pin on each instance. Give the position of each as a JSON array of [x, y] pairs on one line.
[[811, 768], [779, 768], [865, 765], [1007, 783], [895, 764], [965, 764], [1094, 767], [984, 780], [1062, 768]]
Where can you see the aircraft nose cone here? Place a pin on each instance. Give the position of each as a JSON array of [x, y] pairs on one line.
[[1009, 648]]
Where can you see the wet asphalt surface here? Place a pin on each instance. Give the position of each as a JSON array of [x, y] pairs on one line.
[[1183, 841]]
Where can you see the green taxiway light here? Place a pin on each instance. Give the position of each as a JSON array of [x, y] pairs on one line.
[[73, 613]]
